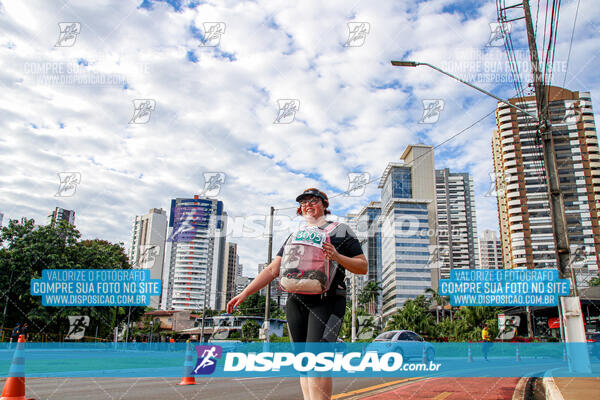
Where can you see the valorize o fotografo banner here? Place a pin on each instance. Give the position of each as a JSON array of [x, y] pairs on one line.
[[95, 287], [231, 359], [504, 287]]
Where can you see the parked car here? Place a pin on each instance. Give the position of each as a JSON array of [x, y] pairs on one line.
[[405, 342]]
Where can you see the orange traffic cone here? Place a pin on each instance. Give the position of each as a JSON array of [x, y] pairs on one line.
[[14, 388], [469, 353], [188, 366]]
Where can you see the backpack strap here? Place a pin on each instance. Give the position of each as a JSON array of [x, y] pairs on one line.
[[329, 228]]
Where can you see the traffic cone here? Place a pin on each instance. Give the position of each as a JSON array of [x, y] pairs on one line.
[[469, 353], [188, 366], [14, 388], [518, 354]]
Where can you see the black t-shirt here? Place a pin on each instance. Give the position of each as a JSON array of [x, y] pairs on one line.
[[346, 243]]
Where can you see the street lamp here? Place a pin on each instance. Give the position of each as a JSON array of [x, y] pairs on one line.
[[151, 324], [415, 64]]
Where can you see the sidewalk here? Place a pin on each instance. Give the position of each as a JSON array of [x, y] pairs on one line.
[[573, 388]]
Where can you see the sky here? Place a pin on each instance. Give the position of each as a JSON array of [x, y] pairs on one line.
[[110, 108]]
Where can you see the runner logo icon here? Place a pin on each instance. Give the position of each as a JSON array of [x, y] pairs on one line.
[[207, 359]]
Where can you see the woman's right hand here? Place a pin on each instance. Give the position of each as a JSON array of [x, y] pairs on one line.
[[236, 301]]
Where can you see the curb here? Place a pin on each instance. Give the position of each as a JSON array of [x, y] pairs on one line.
[[550, 388], [521, 389]]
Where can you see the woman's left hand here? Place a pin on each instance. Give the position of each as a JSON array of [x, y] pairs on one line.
[[331, 252]]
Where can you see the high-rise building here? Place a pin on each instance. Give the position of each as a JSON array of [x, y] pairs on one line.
[[456, 222], [351, 220], [408, 226], [61, 214], [1, 218], [490, 250], [147, 249], [368, 228], [239, 274], [525, 220], [229, 274], [499, 183], [194, 255], [241, 283]]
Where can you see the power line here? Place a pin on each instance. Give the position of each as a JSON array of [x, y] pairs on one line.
[[519, 87], [412, 162], [571, 44]]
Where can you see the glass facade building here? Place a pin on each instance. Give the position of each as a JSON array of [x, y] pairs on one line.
[[194, 255], [407, 227], [368, 230]]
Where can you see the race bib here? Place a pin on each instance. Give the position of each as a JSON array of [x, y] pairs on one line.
[[311, 237]]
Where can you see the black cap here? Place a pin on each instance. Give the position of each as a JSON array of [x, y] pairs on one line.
[[314, 192]]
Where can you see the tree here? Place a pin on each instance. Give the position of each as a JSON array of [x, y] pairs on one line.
[[439, 301], [414, 316], [250, 330], [469, 321], [346, 328], [255, 305], [369, 295], [29, 249]]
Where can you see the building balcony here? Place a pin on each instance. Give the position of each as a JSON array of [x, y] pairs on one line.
[[516, 227], [504, 118], [515, 218]]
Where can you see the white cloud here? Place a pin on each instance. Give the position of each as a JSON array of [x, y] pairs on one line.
[[356, 114]]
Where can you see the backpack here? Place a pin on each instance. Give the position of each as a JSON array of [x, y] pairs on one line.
[[304, 266]]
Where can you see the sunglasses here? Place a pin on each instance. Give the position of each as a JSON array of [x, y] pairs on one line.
[[310, 201]]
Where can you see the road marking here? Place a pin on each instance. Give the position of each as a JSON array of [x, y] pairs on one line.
[[441, 396], [246, 379], [368, 389]]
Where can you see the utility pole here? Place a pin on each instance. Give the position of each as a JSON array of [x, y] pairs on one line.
[[203, 313], [267, 327], [353, 308], [557, 208], [569, 307]]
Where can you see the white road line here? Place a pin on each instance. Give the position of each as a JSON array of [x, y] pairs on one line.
[[258, 377]]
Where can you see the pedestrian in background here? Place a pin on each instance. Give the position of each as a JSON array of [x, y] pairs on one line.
[[487, 342], [25, 331], [14, 336]]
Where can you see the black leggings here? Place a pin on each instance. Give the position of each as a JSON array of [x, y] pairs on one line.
[[315, 320]]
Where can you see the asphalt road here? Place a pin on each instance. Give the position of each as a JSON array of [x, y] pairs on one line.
[[285, 388], [167, 388]]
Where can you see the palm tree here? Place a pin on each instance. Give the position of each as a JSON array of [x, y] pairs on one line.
[[414, 316], [369, 295], [439, 301]]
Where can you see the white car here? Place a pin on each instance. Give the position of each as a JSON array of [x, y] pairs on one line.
[[407, 343]]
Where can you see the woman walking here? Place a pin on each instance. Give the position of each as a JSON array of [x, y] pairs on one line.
[[315, 317]]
